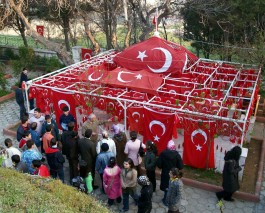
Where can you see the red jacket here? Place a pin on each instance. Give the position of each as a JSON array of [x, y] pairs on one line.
[[22, 142], [43, 171]]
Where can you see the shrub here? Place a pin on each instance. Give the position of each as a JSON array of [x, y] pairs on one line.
[[26, 59], [10, 55], [53, 64], [3, 81]]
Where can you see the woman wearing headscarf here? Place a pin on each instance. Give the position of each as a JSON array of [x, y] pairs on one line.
[[145, 199], [168, 159], [230, 174]]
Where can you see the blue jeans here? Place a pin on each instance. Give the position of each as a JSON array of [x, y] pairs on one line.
[[125, 196], [59, 173]]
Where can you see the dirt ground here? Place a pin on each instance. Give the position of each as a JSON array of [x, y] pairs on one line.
[[248, 183]]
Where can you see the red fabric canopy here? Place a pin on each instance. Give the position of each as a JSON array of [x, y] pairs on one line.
[[142, 81], [155, 55]]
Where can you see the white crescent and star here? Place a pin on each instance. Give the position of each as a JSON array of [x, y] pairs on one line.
[[94, 79], [64, 102], [168, 59], [203, 133], [138, 77], [136, 113], [155, 122], [87, 56]]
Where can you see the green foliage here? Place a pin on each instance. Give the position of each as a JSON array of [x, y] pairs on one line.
[[9, 54], [26, 59], [3, 92], [52, 64], [3, 81], [24, 193]]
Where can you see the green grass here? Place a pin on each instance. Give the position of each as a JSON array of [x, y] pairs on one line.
[[24, 193], [207, 176], [3, 92]]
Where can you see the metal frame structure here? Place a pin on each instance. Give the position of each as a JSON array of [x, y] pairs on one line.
[[71, 73]]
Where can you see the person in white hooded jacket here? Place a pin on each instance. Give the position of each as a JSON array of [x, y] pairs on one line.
[[109, 141]]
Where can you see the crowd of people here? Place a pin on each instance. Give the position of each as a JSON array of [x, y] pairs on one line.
[[42, 151]]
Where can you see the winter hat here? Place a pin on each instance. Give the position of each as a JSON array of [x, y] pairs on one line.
[[104, 147], [171, 145], [143, 181]]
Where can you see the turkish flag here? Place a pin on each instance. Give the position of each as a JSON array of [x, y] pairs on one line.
[[198, 140], [94, 74], [135, 119], [61, 99], [158, 127], [40, 30], [155, 55], [142, 81], [86, 53]]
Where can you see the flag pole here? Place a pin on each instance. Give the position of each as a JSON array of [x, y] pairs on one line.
[[156, 19], [156, 24]]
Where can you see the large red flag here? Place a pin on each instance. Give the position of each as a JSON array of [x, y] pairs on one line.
[[158, 127], [142, 80], [198, 140], [135, 119], [61, 99]]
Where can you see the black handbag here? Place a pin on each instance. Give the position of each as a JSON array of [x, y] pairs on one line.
[[141, 151]]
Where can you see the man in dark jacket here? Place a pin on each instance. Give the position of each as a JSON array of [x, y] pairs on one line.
[[20, 101], [66, 118], [167, 160], [87, 151], [55, 160], [70, 149], [24, 78], [145, 199], [24, 126]]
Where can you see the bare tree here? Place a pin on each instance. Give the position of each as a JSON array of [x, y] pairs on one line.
[[165, 9], [17, 7]]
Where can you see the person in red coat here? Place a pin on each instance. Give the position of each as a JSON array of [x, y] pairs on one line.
[[40, 169]]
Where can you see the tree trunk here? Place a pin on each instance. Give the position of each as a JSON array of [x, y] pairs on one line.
[[59, 49], [107, 24], [165, 31], [114, 33], [128, 34], [21, 28], [96, 46], [145, 33], [66, 30]]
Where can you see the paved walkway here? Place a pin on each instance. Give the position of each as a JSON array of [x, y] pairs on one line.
[[197, 201]]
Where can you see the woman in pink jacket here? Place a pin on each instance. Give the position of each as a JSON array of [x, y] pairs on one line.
[[112, 182]]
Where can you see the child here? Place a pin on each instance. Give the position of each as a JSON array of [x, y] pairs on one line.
[[55, 160], [22, 143], [112, 181], [128, 181], [150, 162], [145, 199], [175, 191], [35, 135], [40, 169], [19, 166]]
